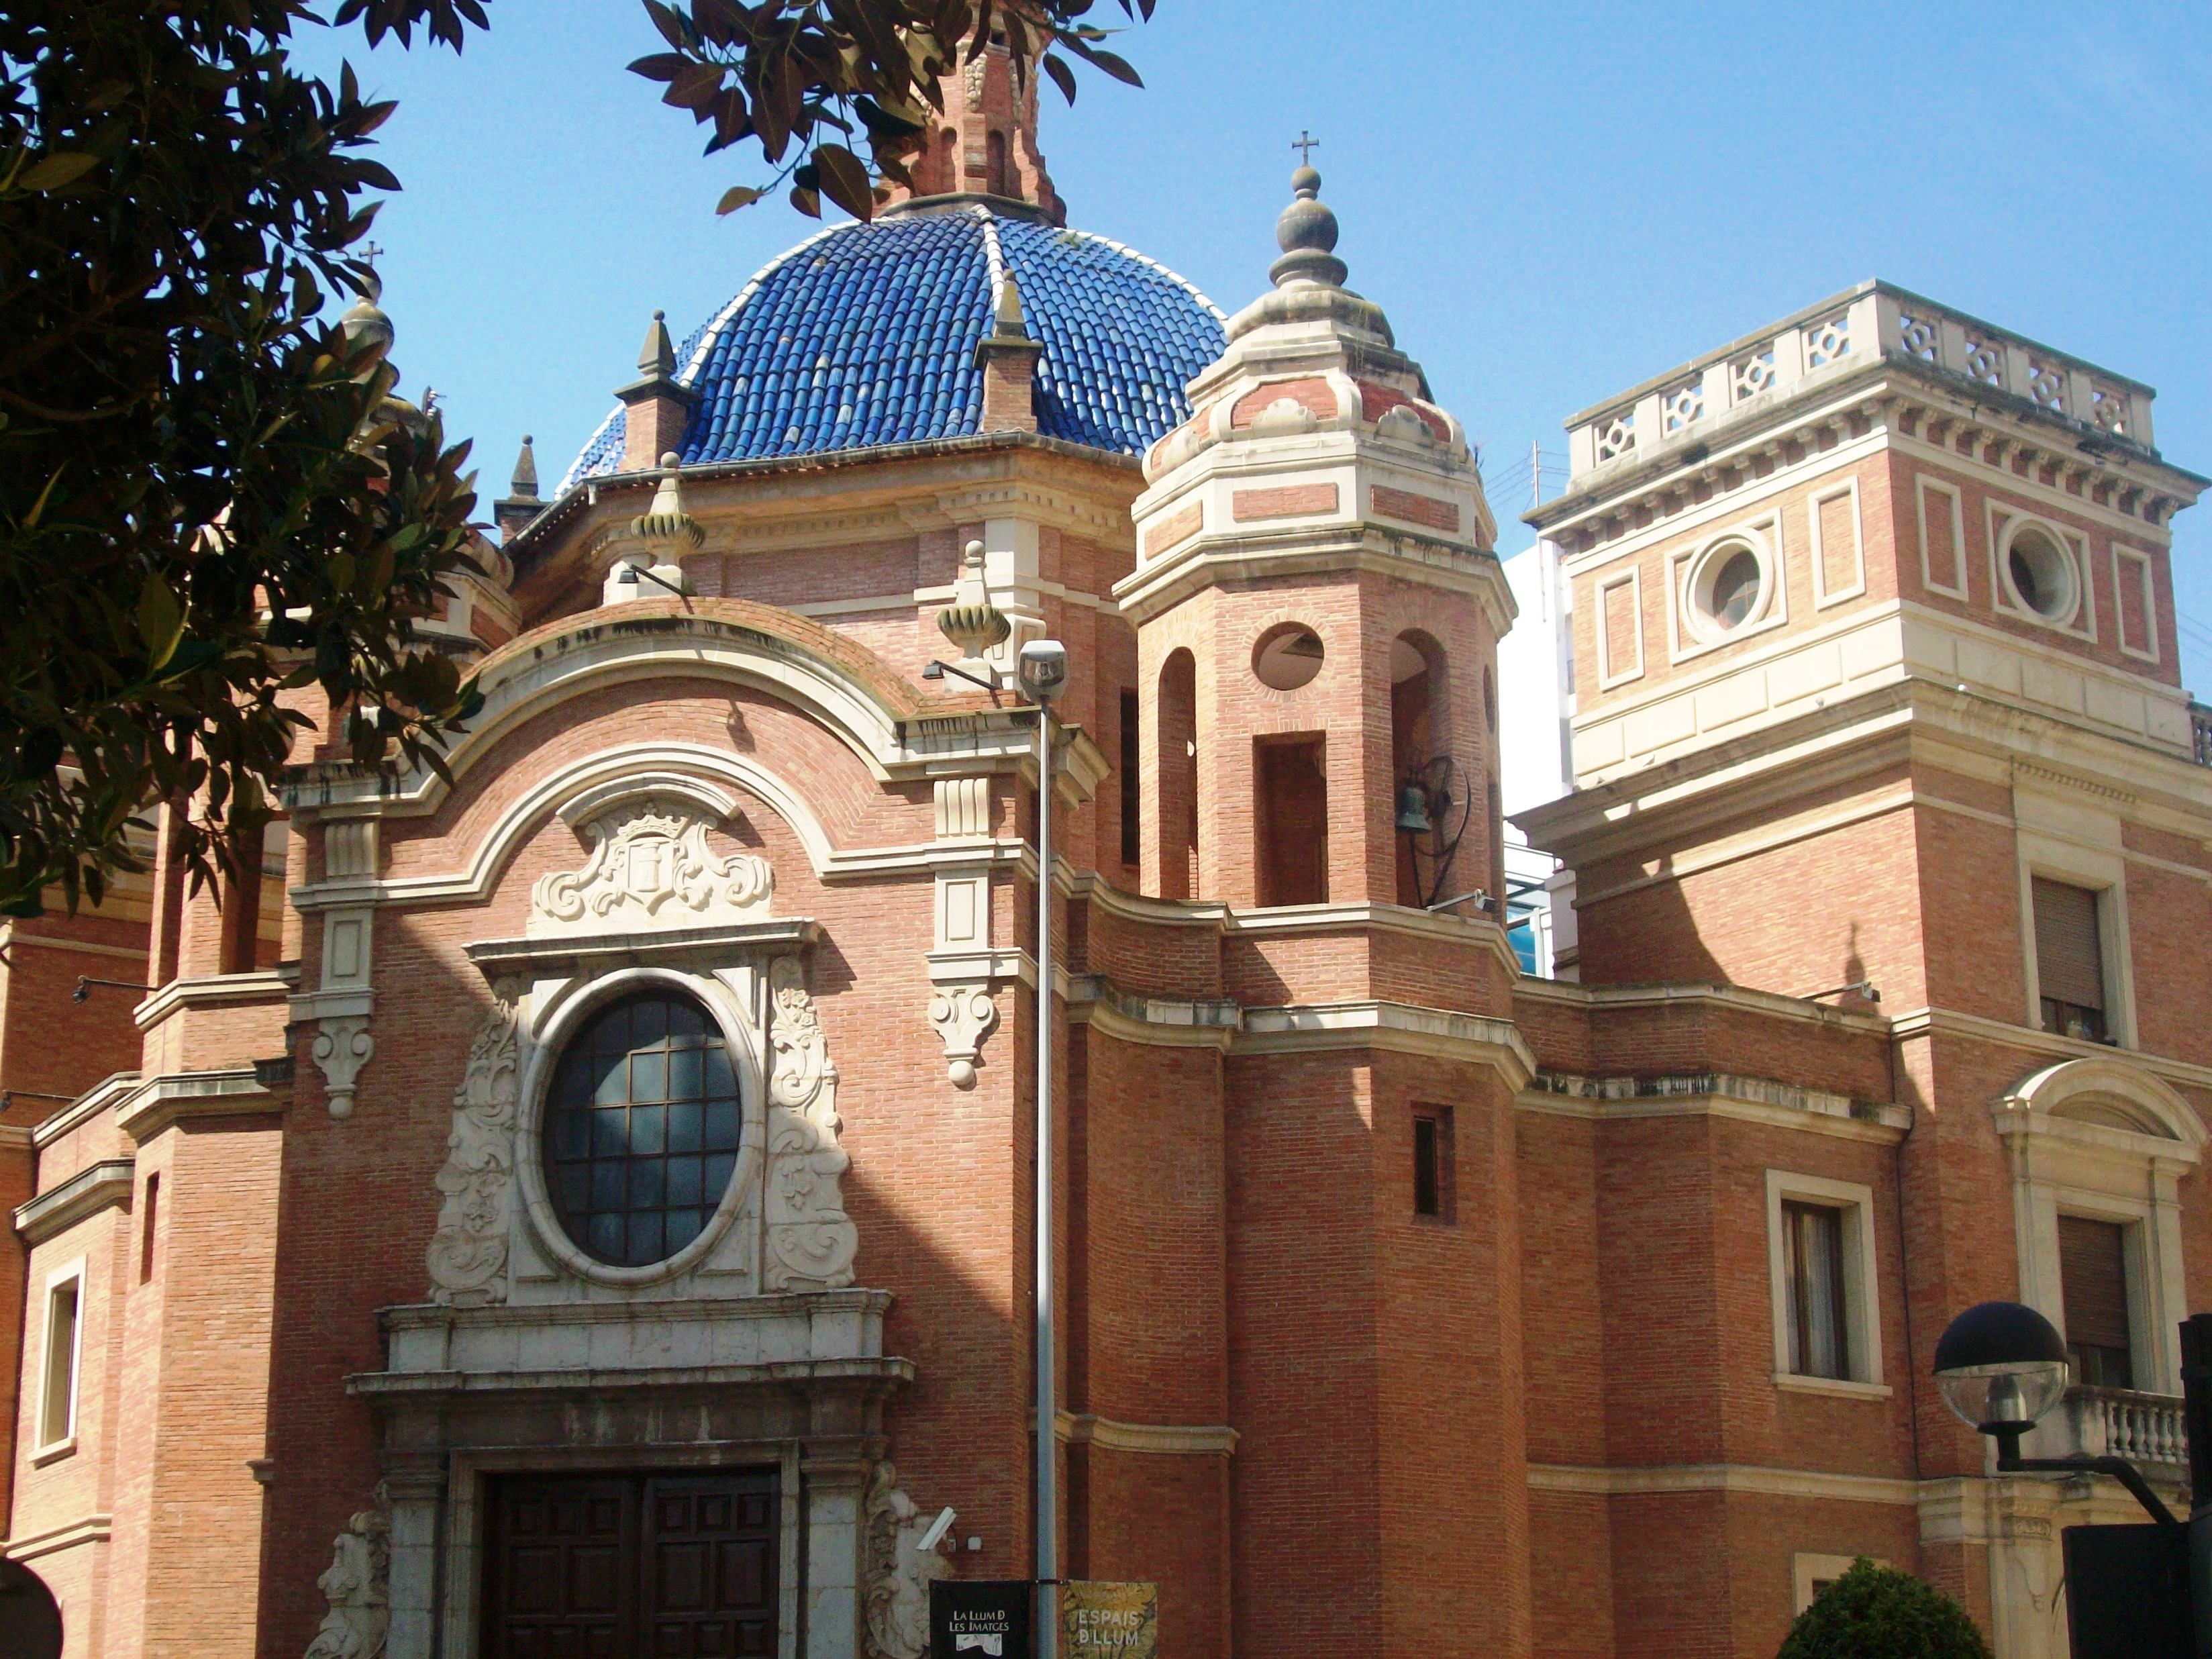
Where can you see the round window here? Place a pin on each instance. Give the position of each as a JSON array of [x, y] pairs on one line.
[[1287, 657], [1728, 588], [2040, 572], [641, 1129]]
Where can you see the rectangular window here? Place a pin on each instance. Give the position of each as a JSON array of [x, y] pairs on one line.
[[1813, 1261], [1432, 1163], [146, 1233], [1132, 851], [2093, 1276], [2069, 960], [57, 1392]]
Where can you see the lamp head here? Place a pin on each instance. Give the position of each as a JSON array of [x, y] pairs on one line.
[[2000, 1366], [1043, 670]]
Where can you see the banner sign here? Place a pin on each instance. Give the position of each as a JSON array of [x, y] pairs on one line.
[[980, 1618], [1100, 1620]]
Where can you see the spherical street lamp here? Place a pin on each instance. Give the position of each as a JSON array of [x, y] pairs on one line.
[[2000, 1366]]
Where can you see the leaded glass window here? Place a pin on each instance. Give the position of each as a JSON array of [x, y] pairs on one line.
[[642, 1125]]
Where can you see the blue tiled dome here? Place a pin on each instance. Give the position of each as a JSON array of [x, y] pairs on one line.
[[866, 334]]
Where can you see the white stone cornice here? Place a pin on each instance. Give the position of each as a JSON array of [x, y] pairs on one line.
[[216, 990], [156, 1103], [1154, 1021], [87, 1529], [1770, 1004], [1915, 1023], [1367, 548], [1746, 1099], [1393, 1027], [1745, 1479], [102, 1186], [1169, 1439], [102, 1096]]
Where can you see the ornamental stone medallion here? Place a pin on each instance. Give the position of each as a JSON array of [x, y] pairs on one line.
[[650, 863]]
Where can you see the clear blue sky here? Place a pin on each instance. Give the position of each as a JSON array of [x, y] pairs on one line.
[[1552, 201]]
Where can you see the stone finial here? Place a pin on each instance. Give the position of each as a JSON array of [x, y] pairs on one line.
[[1306, 232], [971, 622], [523, 486], [1008, 323], [1008, 357], [659, 354], [657, 406], [664, 527]]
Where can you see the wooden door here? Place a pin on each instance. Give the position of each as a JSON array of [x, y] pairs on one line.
[[614, 1566]]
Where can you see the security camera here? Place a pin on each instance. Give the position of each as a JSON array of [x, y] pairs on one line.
[[1043, 670]]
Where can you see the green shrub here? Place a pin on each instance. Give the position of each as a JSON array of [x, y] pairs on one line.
[[1879, 1613]]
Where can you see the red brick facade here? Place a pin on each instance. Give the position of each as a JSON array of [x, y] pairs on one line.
[[1552, 1418]]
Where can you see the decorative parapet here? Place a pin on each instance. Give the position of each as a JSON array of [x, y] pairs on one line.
[[2144, 1428], [2200, 733], [1874, 322], [1686, 1086]]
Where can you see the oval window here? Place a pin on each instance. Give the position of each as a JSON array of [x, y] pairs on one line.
[[2041, 573], [642, 1124], [1287, 657]]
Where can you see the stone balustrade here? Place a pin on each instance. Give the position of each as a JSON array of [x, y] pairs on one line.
[[1837, 337], [2144, 1428], [2199, 732]]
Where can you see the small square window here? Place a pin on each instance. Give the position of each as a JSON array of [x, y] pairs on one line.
[[1432, 1163]]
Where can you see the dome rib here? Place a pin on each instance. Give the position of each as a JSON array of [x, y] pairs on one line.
[[864, 335]]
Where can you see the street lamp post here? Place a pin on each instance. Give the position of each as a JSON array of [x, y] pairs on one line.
[[2000, 1366], [1041, 669]]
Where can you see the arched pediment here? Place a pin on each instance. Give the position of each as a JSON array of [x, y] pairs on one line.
[[2113, 1094]]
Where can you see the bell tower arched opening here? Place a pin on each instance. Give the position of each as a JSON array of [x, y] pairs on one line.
[[1175, 798]]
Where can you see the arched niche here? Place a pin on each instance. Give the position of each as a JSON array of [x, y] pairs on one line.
[[2105, 1139]]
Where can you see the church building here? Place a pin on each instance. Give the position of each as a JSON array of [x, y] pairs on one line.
[[584, 1206]]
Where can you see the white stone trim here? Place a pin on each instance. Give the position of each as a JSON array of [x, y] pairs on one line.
[[2143, 568], [1862, 1277], [100, 1186], [1808, 1567], [42, 1448], [88, 1529], [1163, 1439], [1609, 673], [1823, 595], [2063, 1164], [2085, 852], [1690, 632], [556, 1009], [1748, 1479], [1925, 486], [2002, 522]]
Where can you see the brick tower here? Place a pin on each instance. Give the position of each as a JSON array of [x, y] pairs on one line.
[[1317, 608]]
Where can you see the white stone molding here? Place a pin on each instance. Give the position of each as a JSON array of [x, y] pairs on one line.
[[964, 1015], [468, 1254], [811, 1240], [899, 1570], [357, 1586], [1861, 1310], [649, 855], [345, 995], [2104, 1138], [340, 1049]]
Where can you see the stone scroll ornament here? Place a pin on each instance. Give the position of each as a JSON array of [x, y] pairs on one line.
[[811, 1240], [964, 1016], [468, 1253], [358, 1584], [646, 858], [899, 1570], [340, 1049]]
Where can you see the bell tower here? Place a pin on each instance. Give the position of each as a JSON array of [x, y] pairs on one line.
[[1317, 606]]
